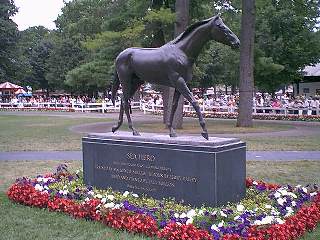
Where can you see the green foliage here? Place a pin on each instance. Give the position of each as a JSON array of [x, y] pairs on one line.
[[285, 41], [8, 39], [88, 77]]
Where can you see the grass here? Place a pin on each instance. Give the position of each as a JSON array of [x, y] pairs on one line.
[[44, 133], [301, 143], [40, 133], [285, 172], [21, 222], [191, 126]]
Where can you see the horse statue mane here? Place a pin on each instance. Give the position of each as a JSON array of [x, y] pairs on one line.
[[190, 29]]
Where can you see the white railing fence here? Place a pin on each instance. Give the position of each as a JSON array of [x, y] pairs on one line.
[[153, 108]]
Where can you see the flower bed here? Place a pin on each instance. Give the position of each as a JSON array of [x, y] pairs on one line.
[[269, 211], [260, 116]]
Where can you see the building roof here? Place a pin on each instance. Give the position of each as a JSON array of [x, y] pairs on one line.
[[8, 85], [312, 70]]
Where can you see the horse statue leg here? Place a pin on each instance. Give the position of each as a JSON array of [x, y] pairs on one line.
[[129, 89], [175, 101], [120, 121], [184, 90]]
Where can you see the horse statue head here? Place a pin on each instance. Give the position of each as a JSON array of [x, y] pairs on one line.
[[221, 33]]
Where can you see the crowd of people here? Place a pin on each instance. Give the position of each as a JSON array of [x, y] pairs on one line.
[[206, 101], [259, 100]]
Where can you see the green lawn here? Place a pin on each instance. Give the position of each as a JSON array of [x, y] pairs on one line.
[[214, 127], [21, 222], [40, 133], [44, 133]]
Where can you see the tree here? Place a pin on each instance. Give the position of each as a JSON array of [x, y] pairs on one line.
[[39, 64], [27, 43], [8, 38], [182, 20], [246, 63], [285, 41]]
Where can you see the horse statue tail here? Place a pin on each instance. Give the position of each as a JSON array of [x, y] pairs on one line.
[[115, 87]]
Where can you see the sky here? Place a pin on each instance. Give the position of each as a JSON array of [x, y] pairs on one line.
[[37, 12]]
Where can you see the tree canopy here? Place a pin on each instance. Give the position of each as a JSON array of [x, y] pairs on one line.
[[79, 55]]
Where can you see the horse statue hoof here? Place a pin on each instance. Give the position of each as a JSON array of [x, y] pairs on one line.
[[136, 133], [205, 135], [173, 134], [114, 129]]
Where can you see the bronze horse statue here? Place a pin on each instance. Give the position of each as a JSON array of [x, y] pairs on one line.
[[169, 65]]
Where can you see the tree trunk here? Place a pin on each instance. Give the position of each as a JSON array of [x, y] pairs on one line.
[[182, 13], [246, 63]]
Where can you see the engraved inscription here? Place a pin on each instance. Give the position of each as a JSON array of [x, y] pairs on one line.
[[140, 171]]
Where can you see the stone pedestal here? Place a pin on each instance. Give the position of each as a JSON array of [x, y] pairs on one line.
[[188, 168]]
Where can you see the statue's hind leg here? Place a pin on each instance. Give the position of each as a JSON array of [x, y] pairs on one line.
[[128, 92], [175, 102], [184, 90], [127, 111], [120, 121]]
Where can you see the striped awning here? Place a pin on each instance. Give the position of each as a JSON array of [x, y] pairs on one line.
[[8, 85]]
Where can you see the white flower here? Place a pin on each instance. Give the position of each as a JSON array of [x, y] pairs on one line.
[[183, 215], [293, 203], [103, 200], [283, 192], [257, 222], [279, 221], [236, 218], [179, 223], [99, 196], [281, 201], [201, 212], [277, 195], [117, 206], [191, 213], [110, 197], [267, 206], [189, 221], [313, 194], [221, 223], [298, 186], [65, 192], [305, 190], [109, 205], [125, 194], [91, 193], [223, 214], [267, 220], [292, 195], [39, 179], [215, 228], [38, 187], [176, 215], [254, 183], [135, 195], [87, 199], [240, 208]]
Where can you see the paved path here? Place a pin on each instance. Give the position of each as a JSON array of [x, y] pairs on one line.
[[77, 155]]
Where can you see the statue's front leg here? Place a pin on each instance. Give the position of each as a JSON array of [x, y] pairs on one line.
[[185, 91]]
